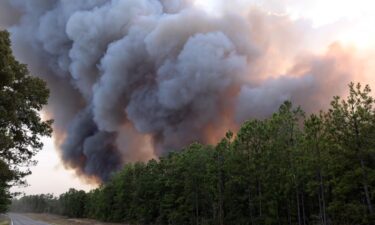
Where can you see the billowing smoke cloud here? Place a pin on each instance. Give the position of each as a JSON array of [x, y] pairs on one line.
[[134, 79], [9, 15]]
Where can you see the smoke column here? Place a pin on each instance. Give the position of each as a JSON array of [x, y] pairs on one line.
[[134, 79]]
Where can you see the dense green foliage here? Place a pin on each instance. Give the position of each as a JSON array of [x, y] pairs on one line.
[[72, 203], [5, 176], [287, 169], [21, 98]]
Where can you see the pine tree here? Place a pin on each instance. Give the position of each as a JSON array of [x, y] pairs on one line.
[[352, 127]]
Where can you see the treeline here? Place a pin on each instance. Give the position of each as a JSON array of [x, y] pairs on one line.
[[287, 169], [45, 203], [71, 204]]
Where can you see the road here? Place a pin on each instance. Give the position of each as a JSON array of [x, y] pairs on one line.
[[18, 219]]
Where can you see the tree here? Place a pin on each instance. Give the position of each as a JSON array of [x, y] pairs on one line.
[[316, 143], [22, 96], [352, 127], [73, 203], [5, 176]]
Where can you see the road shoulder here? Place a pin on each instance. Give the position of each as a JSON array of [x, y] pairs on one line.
[[4, 220], [60, 220]]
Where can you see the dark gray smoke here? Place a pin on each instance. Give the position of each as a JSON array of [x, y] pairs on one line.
[[133, 79]]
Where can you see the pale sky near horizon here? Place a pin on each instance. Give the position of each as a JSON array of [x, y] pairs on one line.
[[50, 176]]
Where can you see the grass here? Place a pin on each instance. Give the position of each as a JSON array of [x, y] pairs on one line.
[[4, 220], [60, 220]]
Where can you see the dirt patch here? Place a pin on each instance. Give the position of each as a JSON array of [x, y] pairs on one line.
[[60, 220]]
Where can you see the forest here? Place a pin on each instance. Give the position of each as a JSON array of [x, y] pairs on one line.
[[290, 168]]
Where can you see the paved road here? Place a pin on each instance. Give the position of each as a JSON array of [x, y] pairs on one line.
[[18, 219]]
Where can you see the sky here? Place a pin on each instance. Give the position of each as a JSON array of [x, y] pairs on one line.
[[352, 20], [355, 16], [50, 176]]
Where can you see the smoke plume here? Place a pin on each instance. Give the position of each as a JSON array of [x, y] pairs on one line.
[[134, 79]]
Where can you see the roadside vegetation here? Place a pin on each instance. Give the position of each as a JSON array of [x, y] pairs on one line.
[[62, 220], [287, 169], [4, 220]]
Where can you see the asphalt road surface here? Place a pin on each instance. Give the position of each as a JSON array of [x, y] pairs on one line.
[[18, 219]]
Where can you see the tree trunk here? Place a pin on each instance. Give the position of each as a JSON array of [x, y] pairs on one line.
[[196, 208], [324, 213], [321, 195], [250, 206], [321, 217], [303, 208], [289, 215], [260, 199], [298, 207], [364, 173], [365, 187]]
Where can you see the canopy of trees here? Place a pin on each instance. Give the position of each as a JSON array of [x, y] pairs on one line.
[[21, 98], [287, 169]]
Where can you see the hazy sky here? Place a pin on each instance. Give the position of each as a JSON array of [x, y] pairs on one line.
[[50, 176], [356, 16]]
